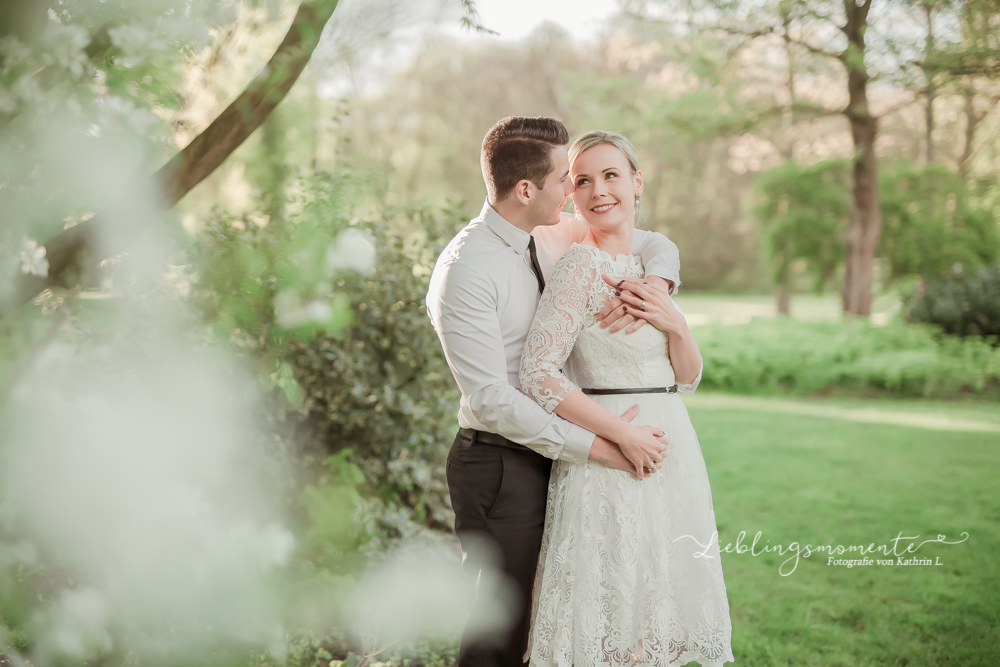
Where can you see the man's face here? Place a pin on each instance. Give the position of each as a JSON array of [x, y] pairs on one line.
[[548, 202]]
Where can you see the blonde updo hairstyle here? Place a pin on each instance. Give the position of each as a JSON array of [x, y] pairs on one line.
[[620, 141]]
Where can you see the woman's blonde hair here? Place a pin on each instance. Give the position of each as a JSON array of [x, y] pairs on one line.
[[597, 137]]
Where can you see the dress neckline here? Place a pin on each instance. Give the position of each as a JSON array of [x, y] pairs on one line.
[[622, 258]]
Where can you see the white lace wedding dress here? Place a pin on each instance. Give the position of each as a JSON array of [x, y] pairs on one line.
[[629, 571]]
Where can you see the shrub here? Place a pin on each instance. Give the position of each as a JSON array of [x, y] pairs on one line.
[[346, 349], [931, 221], [963, 304], [787, 356]]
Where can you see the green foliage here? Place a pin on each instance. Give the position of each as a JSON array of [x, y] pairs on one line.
[[383, 388], [787, 356], [962, 304], [248, 268], [331, 506], [804, 213], [351, 352], [930, 225]]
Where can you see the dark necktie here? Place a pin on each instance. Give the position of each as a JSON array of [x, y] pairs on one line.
[[536, 267]]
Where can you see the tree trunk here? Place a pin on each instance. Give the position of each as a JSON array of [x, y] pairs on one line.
[[788, 151], [784, 297], [273, 188], [971, 122], [75, 251], [929, 75], [866, 220]]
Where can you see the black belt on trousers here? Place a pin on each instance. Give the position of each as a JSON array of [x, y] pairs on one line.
[[488, 438], [672, 389]]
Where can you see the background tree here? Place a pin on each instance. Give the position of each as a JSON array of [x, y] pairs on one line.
[[804, 213], [932, 226]]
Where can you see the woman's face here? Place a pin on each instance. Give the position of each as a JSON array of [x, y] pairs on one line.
[[606, 188]]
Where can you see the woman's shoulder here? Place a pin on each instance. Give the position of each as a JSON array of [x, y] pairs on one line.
[[578, 255], [579, 263]]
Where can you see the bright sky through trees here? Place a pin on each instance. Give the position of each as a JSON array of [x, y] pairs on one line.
[[514, 19]]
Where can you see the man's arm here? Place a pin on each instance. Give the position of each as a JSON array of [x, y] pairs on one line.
[[662, 263], [463, 309], [660, 257]]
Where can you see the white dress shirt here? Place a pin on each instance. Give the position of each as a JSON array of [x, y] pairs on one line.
[[481, 301]]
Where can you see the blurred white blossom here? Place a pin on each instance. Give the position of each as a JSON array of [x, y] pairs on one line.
[[64, 46], [292, 311], [77, 624], [420, 591], [33, 260], [117, 111], [354, 250], [136, 41], [12, 51], [144, 483]]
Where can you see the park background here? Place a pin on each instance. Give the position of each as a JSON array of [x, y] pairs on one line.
[[224, 413]]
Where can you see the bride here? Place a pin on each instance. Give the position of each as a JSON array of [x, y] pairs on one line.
[[623, 577]]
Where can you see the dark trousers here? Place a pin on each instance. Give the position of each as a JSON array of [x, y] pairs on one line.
[[498, 494]]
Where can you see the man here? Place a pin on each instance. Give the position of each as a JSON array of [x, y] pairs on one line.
[[481, 300]]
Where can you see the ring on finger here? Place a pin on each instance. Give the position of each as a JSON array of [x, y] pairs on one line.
[[642, 306]]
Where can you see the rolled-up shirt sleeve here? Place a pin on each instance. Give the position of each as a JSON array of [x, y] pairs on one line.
[[660, 256], [462, 306]]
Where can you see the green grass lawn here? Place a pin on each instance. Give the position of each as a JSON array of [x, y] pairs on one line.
[[853, 473], [706, 307]]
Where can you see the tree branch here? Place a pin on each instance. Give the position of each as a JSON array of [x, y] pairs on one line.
[[770, 30], [900, 106], [71, 251], [837, 55]]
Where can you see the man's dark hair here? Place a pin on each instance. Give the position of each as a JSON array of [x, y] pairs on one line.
[[517, 148]]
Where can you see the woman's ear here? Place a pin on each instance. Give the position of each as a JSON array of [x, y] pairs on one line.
[[638, 183]]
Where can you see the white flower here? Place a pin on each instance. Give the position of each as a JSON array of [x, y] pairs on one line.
[[291, 311], [136, 40], [7, 101], [33, 260], [13, 52], [77, 623], [115, 111], [65, 46], [353, 251]]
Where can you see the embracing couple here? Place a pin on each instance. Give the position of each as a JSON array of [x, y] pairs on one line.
[[576, 460]]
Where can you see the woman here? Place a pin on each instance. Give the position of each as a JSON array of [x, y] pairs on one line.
[[629, 571]]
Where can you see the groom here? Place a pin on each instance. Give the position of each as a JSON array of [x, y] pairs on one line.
[[481, 301]]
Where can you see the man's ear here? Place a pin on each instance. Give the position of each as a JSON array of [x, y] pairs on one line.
[[523, 191]]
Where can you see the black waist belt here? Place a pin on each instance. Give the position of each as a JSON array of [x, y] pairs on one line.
[[488, 438], [672, 389]]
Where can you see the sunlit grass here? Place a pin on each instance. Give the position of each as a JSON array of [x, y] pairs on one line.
[[822, 480], [706, 307]]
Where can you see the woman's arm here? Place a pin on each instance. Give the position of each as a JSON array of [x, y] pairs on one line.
[[567, 305], [685, 357], [662, 311]]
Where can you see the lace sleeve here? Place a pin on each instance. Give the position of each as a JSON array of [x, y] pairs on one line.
[[689, 388], [566, 307]]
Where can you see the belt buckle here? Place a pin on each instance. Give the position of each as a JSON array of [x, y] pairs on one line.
[[672, 389]]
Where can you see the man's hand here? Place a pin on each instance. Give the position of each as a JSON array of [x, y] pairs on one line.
[[616, 314], [608, 453]]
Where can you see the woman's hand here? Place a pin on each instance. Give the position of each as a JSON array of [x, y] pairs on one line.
[[649, 300], [645, 448]]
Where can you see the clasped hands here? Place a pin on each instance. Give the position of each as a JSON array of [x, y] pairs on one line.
[[641, 453], [637, 301]]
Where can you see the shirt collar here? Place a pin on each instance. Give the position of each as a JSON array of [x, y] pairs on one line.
[[516, 238]]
